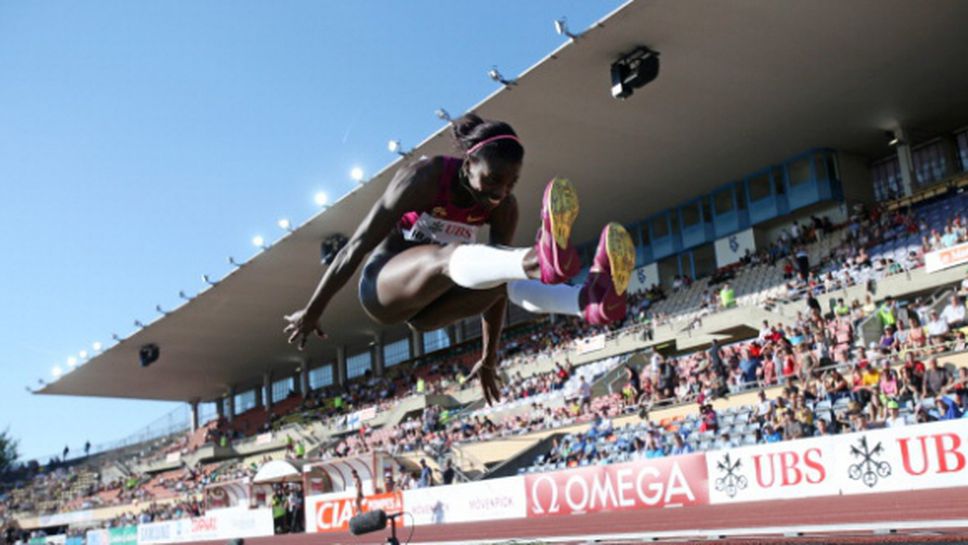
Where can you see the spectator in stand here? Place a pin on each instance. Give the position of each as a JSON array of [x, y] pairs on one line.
[[935, 380], [947, 408], [727, 296], [585, 395], [447, 477], [937, 330], [894, 418], [954, 313], [749, 365], [679, 446], [958, 387], [426, 475]]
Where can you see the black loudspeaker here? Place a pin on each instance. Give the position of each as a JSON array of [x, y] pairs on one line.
[[635, 69], [236, 541], [149, 354]]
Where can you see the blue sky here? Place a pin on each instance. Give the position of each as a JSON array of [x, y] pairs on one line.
[[143, 142]]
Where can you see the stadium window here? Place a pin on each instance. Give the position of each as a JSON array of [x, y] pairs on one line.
[[723, 201], [281, 389], [777, 175], [740, 196], [357, 365], [759, 187], [963, 149], [644, 231], [674, 221], [206, 413], [436, 340], [396, 352], [244, 401], [660, 226], [704, 260], [707, 210], [799, 171], [321, 377], [690, 214]]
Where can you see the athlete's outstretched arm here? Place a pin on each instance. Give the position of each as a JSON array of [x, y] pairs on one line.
[[412, 188], [504, 222]]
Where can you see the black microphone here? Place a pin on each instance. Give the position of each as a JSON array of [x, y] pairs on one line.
[[371, 521]]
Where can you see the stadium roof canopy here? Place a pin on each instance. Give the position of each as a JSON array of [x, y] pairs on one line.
[[743, 84]]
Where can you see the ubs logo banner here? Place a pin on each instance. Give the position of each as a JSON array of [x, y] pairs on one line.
[[793, 469], [908, 458]]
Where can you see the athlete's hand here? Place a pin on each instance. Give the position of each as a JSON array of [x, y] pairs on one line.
[[486, 370], [301, 327]]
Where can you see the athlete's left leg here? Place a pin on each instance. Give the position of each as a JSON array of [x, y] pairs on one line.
[[456, 304]]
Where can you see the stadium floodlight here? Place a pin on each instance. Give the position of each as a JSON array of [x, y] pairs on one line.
[[259, 242], [161, 310], [117, 338], [96, 345], [139, 324], [56, 371], [561, 27], [82, 354], [183, 295], [356, 173], [207, 280], [71, 361], [443, 115], [321, 198], [395, 147], [233, 262], [495, 75], [285, 224]]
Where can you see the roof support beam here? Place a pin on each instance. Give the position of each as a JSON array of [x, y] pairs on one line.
[[341, 365]]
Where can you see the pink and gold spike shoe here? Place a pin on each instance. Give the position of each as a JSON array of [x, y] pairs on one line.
[[609, 276], [559, 208]]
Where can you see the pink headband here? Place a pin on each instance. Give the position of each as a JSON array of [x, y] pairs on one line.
[[487, 141]]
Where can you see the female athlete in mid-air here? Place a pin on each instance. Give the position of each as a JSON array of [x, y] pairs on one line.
[[429, 271]]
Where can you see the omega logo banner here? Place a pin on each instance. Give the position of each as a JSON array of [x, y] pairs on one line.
[[664, 482]]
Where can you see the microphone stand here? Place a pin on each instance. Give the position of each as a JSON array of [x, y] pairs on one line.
[[392, 540]]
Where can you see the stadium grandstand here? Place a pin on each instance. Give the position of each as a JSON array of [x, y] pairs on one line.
[[795, 183]]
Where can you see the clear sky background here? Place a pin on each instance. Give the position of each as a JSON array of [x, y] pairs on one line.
[[143, 142]]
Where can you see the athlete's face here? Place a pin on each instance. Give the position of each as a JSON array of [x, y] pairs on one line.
[[491, 180]]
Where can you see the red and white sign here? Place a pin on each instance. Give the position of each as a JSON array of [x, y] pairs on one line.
[[648, 484], [789, 469], [494, 499], [946, 257], [917, 457], [931, 455], [332, 512]]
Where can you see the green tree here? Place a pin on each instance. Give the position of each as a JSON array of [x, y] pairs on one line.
[[8, 452]]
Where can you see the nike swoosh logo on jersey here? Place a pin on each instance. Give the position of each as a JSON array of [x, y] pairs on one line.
[[474, 218]]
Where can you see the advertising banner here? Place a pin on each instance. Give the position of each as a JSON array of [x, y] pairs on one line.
[[332, 512], [917, 457], [788, 469], [907, 458], [124, 535], [494, 499], [100, 537], [216, 524], [644, 278], [65, 519], [732, 248], [946, 257], [647, 484]]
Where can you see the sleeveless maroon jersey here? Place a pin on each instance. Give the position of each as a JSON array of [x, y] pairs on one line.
[[444, 222]]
